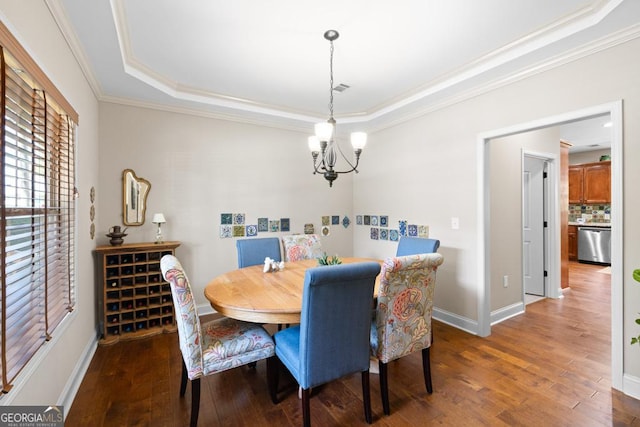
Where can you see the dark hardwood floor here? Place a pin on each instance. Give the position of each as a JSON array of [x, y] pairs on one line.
[[547, 367]]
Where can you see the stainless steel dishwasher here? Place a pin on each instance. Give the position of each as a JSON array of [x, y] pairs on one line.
[[594, 245]]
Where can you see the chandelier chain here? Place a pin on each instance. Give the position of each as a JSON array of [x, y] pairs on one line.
[[331, 80]]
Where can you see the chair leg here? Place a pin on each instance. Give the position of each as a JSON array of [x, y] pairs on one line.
[[183, 380], [366, 396], [426, 368], [306, 407], [195, 401], [273, 368], [384, 387]]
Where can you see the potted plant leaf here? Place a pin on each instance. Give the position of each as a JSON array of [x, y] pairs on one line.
[[636, 277]]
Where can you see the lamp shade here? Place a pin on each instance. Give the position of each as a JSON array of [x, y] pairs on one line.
[[158, 218], [314, 144], [358, 140], [324, 130]]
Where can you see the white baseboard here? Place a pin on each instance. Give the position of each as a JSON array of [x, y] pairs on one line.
[[452, 319], [72, 386], [507, 312], [631, 386], [205, 309]]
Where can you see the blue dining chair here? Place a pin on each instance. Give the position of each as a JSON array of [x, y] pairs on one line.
[[253, 251], [402, 323], [214, 346], [416, 245], [332, 339]]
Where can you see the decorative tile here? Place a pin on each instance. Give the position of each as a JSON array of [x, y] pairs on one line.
[[402, 227], [423, 231], [263, 224], [374, 233], [326, 230], [225, 231], [359, 219], [346, 221], [384, 221], [274, 225], [335, 220], [393, 235], [326, 220], [238, 231], [285, 224], [226, 218], [384, 234], [374, 220], [412, 230], [309, 229], [238, 218], [252, 230], [367, 220]]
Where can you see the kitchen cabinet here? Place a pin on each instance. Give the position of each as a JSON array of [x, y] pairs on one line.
[[590, 183], [572, 234]]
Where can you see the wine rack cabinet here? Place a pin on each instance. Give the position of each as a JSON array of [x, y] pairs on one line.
[[134, 301]]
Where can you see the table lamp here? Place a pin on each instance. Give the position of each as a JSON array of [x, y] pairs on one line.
[[159, 219]]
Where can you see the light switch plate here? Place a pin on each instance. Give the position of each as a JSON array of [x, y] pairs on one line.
[[455, 223]]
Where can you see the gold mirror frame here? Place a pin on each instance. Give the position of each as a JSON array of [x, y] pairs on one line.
[[134, 198]]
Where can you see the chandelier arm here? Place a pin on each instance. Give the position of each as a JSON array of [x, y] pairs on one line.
[[353, 168]]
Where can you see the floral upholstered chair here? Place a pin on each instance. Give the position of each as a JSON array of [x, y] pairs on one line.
[[402, 323], [301, 246], [213, 346]]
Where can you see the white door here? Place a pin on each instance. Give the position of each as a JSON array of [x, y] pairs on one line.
[[533, 225]]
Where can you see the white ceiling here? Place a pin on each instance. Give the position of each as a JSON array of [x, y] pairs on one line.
[[268, 63]]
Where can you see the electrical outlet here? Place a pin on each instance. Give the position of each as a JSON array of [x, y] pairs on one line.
[[505, 281], [455, 223]]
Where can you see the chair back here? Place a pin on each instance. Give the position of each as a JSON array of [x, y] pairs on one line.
[[187, 319], [301, 246], [253, 251], [405, 305], [335, 321], [416, 245]]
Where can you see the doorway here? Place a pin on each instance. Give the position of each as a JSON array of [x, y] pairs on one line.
[[534, 225], [484, 225]]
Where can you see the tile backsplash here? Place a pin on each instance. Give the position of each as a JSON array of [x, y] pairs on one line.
[[591, 213]]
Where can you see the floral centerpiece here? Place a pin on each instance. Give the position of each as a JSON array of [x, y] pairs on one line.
[[325, 260]]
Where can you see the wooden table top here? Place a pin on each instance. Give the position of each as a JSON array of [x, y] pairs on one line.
[[250, 294]]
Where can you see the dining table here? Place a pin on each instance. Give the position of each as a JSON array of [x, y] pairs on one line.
[[253, 295]]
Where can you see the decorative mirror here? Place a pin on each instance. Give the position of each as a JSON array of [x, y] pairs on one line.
[[134, 198]]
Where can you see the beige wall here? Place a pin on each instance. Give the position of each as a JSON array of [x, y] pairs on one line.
[[52, 376], [201, 167]]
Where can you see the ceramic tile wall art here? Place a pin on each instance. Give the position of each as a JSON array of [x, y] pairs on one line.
[[263, 225], [225, 231], [226, 218], [367, 220], [358, 219], [252, 230], [274, 225], [285, 224], [346, 221], [374, 220], [309, 229], [384, 221], [238, 230], [423, 231], [238, 218], [384, 234], [412, 230], [402, 227], [326, 220], [326, 230], [393, 235], [335, 220], [374, 233]]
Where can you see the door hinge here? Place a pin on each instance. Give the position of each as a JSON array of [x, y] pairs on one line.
[[544, 224], [545, 273], [544, 175]]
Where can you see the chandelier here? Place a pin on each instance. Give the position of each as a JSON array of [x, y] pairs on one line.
[[323, 145]]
